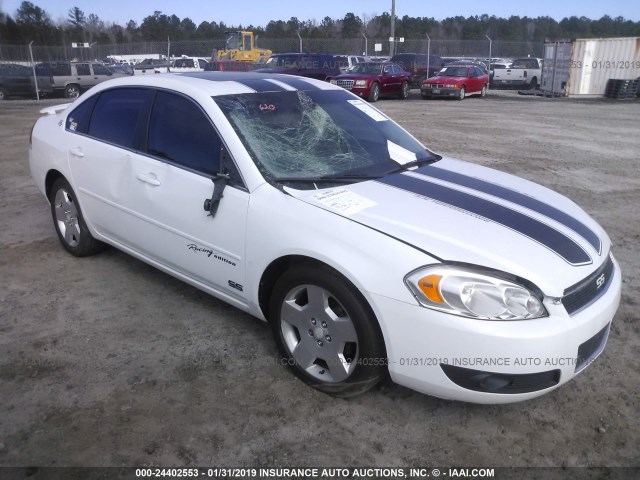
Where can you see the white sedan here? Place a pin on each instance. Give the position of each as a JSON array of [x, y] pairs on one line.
[[301, 204]]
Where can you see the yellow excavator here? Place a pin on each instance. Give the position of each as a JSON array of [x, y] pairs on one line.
[[240, 47]]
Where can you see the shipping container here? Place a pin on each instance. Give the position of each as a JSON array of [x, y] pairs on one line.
[[585, 66]]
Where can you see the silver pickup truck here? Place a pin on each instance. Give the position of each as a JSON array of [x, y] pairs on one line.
[[523, 72]]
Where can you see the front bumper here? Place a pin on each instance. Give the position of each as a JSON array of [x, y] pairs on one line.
[[480, 361], [440, 92]]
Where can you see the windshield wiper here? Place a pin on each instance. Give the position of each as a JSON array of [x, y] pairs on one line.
[[329, 178], [412, 164]]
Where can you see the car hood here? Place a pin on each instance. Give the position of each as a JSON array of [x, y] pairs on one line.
[[460, 212], [354, 76]]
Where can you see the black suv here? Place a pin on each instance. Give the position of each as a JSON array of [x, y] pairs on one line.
[[417, 65], [312, 65]]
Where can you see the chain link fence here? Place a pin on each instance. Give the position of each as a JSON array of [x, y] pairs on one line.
[[344, 46]]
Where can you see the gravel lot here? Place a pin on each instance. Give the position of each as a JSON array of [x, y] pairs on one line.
[[105, 361]]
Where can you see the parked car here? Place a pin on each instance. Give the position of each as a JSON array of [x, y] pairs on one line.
[[311, 65], [372, 80], [73, 78], [456, 81], [420, 66], [152, 66], [347, 62], [17, 80], [189, 64], [121, 69], [303, 205]]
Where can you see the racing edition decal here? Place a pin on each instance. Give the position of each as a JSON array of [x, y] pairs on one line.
[[517, 198], [534, 229], [209, 252]]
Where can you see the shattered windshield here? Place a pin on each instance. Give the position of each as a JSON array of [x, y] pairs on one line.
[[318, 134]]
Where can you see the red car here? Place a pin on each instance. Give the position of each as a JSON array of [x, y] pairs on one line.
[[456, 81], [371, 80]]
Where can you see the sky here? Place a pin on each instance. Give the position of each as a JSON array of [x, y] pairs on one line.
[[260, 12]]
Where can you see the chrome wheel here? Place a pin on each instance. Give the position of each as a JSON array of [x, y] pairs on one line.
[[66, 214], [405, 90], [461, 94], [326, 331], [319, 333], [68, 221]]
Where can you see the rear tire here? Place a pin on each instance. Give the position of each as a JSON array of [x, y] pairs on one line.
[[326, 331], [483, 92], [534, 83], [69, 223], [3, 94], [404, 92], [72, 91]]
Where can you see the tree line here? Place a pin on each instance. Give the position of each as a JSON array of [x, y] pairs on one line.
[[32, 23]]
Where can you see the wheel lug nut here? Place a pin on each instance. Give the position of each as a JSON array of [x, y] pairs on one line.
[[311, 332], [313, 321], [320, 343], [324, 324], [328, 338]]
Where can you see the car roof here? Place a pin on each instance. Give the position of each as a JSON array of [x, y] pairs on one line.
[[220, 83]]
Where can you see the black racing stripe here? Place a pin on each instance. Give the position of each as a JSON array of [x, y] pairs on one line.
[[540, 232], [297, 83], [517, 198], [260, 84]]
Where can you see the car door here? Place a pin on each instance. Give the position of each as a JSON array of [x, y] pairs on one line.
[[146, 194], [167, 189], [83, 75], [474, 80], [388, 80]]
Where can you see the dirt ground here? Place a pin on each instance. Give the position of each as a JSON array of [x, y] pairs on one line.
[[105, 361]]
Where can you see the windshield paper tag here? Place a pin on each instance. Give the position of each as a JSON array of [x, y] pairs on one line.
[[344, 201], [368, 109], [400, 154]]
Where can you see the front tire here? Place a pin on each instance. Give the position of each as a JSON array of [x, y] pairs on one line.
[[461, 93], [3, 94], [326, 331], [374, 93], [69, 223]]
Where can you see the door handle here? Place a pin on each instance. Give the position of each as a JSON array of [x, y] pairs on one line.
[[150, 179], [76, 152]]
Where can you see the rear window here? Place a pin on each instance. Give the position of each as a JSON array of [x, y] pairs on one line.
[[119, 114]]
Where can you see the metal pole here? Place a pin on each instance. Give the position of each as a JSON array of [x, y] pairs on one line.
[[33, 67], [490, 45], [168, 53], [366, 46], [428, 55], [300, 41], [393, 28]]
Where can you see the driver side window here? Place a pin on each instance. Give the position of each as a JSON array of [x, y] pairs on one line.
[[180, 132]]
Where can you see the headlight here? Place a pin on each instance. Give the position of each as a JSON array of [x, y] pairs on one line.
[[361, 83], [472, 294], [451, 85]]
